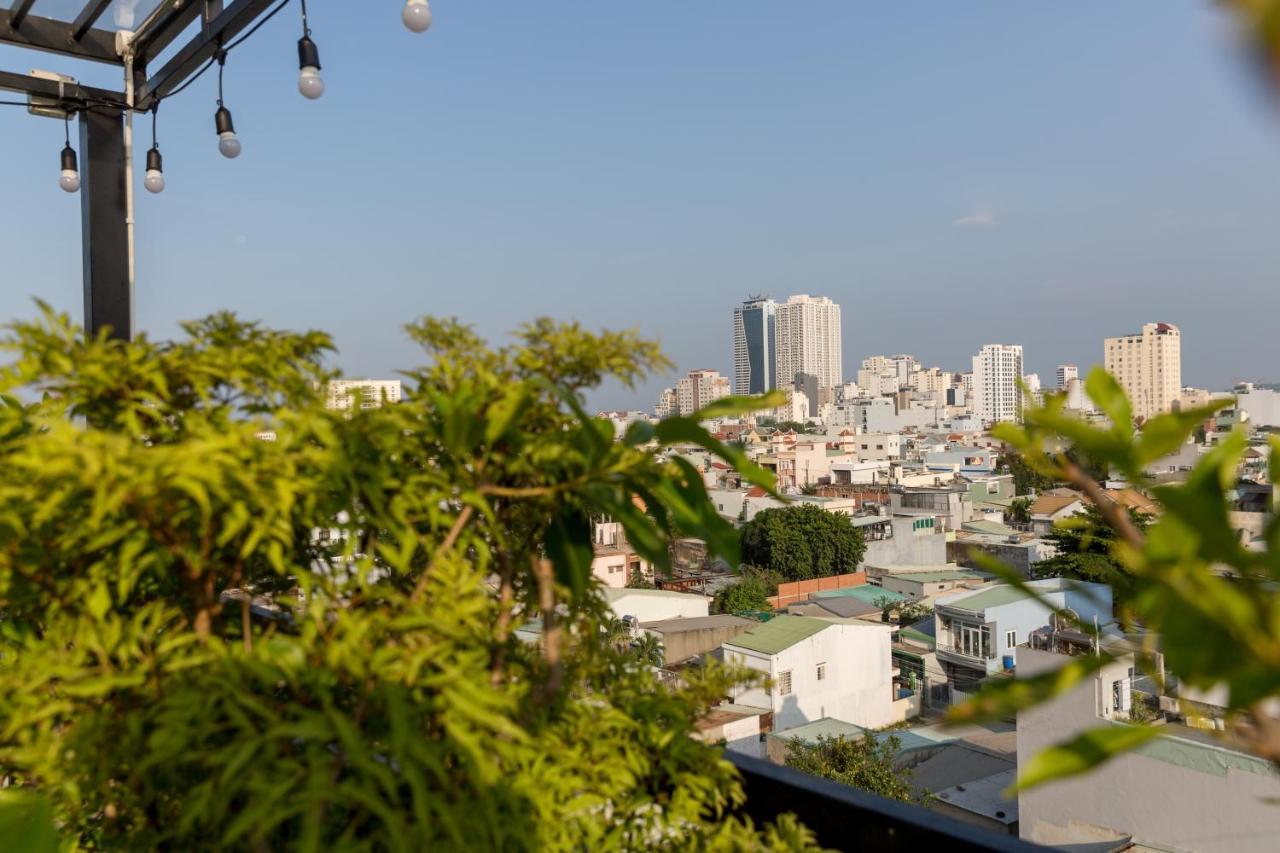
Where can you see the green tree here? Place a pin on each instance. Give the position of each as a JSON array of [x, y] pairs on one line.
[[637, 580], [750, 593], [1026, 479], [1085, 546], [802, 542], [866, 762], [372, 694], [1020, 510]]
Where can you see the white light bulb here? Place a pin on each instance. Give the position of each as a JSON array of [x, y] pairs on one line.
[[310, 83], [417, 15], [69, 180], [228, 145], [154, 181]]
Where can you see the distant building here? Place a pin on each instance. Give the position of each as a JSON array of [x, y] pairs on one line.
[[1148, 366], [1066, 372], [808, 338], [346, 394], [1261, 404], [754, 346], [666, 407], [997, 369], [700, 388]]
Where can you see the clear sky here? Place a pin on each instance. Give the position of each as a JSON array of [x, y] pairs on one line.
[[952, 173]]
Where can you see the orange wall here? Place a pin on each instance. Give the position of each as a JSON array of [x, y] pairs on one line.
[[790, 593]]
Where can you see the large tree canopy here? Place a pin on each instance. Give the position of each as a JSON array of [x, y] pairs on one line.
[[802, 542]]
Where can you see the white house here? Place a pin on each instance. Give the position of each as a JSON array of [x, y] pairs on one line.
[[819, 668]]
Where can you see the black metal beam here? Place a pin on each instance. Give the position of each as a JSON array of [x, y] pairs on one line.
[[162, 26], [39, 33], [19, 10], [845, 818], [88, 16], [108, 294], [235, 18], [74, 93]]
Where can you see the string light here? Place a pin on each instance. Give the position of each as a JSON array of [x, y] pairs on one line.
[[228, 142], [154, 180], [69, 177], [417, 15], [310, 83]]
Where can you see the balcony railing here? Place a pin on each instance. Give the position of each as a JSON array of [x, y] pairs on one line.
[[955, 652], [845, 818]]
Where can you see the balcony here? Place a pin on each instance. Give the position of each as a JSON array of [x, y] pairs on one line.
[[845, 818], [954, 654]]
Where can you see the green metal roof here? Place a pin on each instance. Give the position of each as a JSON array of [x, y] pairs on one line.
[[865, 592], [943, 575], [779, 633], [981, 600], [826, 727], [919, 637]]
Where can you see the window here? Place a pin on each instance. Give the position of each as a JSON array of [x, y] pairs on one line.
[[1010, 639], [784, 683], [822, 672]]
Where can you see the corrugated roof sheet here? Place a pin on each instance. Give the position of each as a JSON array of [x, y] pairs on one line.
[[943, 575], [779, 633], [826, 727], [865, 592]]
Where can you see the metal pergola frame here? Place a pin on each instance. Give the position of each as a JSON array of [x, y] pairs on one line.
[[108, 288]]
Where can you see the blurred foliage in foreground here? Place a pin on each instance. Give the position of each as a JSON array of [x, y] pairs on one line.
[[388, 704], [1190, 588]]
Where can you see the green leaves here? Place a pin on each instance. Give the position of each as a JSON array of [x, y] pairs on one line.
[[1082, 753], [26, 822], [569, 548]]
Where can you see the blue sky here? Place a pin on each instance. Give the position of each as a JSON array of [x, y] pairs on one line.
[[953, 174]]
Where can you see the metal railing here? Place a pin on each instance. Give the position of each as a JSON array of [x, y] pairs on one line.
[[845, 818]]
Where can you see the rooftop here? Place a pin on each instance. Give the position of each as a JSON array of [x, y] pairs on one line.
[[866, 593], [611, 594], [943, 575], [779, 633], [826, 727], [999, 594], [695, 623]]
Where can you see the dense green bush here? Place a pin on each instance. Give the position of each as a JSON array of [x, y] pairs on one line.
[[802, 542], [374, 695]]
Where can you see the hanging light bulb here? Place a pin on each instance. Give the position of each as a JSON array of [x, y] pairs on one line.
[[154, 181], [417, 15], [69, 177], [310, 84], [228, 143]]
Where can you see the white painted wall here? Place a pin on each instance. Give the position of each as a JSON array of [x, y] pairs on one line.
[[651, 605]]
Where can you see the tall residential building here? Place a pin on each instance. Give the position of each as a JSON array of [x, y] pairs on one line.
[[808, 340], [1066, 372], [1148, 366], [361, 393], [754, 351], [692, 392], [997, 369]]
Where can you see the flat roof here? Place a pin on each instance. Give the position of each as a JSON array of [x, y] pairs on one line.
[[696, 623], [868, 520], [999, 594], [942, 575], [864, 592], [614, 593], [779, 633], [984, 797]]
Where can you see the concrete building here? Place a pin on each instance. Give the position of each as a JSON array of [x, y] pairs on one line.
[[700, 388], [1262, 405], [977, 631], [347, 394], [655, 605], [687, 638], [808, 339], [997, 369], [1148, 366], [1184, 790], [1065, 373], [818, 668], [754, 346], [614, 561], [666, 407]]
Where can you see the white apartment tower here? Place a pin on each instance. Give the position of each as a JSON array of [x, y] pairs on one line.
[[997, 370], [700, 388], [808, 341], [361, 393], [1066, 372], [1148, 366]]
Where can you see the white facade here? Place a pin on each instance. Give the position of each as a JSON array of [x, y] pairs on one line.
[[700, 388], [842, 671], [1148, 366], [1262, 405], [345, 394], [654, 605], [808, 340], [666, 406], [1066, 372], [997, 369]]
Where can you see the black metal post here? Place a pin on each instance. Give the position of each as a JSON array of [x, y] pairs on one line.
[[108, 293]]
